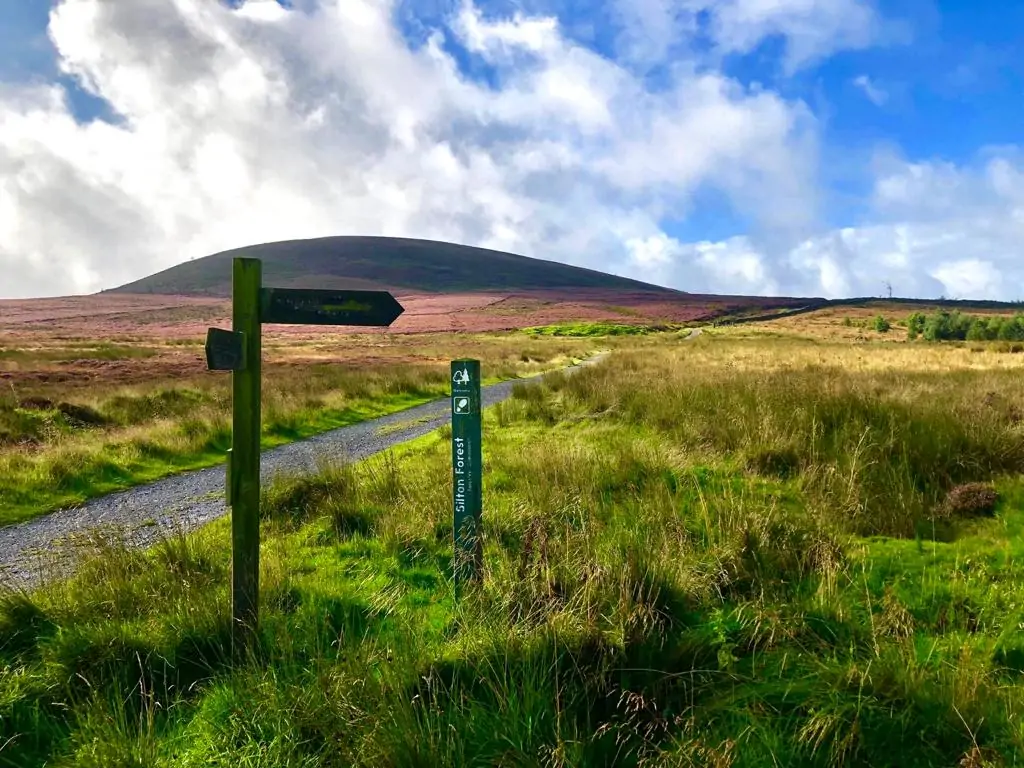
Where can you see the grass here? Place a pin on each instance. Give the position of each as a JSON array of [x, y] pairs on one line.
[[679, 572], [75, 352], [588, 330], [70, 477], [55, 453]]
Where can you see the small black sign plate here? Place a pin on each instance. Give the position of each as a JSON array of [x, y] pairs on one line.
[[224, 350]]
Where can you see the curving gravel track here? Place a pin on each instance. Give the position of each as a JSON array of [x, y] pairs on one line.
[[45, 546]]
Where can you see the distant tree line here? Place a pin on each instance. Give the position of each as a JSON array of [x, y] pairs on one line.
[[954, 326]]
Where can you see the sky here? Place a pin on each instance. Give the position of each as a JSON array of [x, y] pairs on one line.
[[828, 148]]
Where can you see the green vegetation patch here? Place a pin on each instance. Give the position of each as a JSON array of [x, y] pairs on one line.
[[77, 352], [584, 330], [954, 326]]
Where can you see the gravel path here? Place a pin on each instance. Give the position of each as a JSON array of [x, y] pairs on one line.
[[45, 546]]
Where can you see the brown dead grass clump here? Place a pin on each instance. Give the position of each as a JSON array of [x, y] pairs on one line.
[[895, 620], [969, 500], [981, 758]]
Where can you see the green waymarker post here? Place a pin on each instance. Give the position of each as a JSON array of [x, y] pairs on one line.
[[467, 474], [244, 476], [239, 351]]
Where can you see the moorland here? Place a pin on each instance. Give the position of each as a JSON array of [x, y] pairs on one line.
[[790, 542]]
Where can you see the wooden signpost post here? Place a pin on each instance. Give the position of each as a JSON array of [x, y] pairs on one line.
[[239, 351], [467, 474]]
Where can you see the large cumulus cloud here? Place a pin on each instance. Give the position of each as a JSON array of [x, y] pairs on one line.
[[243, 125]]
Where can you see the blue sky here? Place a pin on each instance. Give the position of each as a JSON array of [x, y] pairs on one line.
[[953, 73], [856, 137], [27, 55]]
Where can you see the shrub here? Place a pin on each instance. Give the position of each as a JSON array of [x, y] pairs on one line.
[[36, 404], [881, 325], [1011, 329], [979, 330], [946, 326], [953, 326], [915, 325]]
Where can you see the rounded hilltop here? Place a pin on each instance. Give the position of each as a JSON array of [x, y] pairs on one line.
[[390, 263]]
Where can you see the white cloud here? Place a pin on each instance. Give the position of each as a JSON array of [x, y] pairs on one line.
[[732, 266], [243, 126], [507, 36], [875, 94], [936, 230], [262, 10], [650, 29], [811, 29], [967, 278]]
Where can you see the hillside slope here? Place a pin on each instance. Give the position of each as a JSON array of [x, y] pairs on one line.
[[380, 262]]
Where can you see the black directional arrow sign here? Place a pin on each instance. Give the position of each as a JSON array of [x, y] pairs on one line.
[[311, 306]]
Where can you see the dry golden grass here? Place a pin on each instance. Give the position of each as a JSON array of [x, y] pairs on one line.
[[788, 343]]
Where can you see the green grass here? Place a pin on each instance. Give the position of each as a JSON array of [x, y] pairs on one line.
[[77, 351], [588, 330], [73, 477], [673, 578]]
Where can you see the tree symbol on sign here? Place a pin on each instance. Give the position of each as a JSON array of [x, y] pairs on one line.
[[461, 377]]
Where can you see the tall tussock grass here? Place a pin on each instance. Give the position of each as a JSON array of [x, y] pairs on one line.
[[879, 451]]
